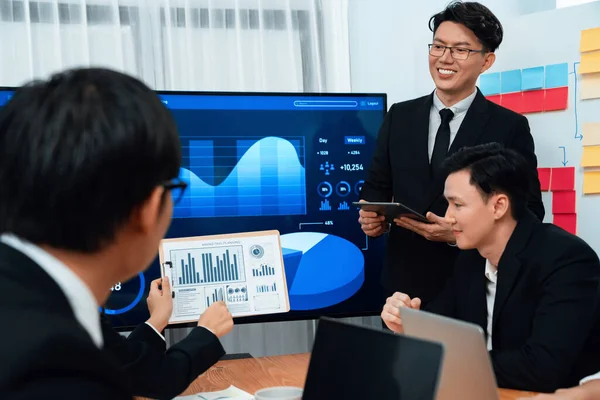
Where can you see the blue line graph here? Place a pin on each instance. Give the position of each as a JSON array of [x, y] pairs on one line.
[[267, 178]]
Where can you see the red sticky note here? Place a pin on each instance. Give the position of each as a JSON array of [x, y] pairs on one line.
[[533, 101], [544, 177], [563, 202], [556, 99], [566, 221], [513, 101], [495, 99], [563, 179]]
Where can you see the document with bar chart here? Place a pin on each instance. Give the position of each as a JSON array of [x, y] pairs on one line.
[[245, 270]]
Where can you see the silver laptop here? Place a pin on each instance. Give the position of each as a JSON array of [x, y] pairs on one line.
[[467, 372]]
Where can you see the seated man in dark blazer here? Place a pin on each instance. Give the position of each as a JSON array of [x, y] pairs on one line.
[[151, 369], [416, 136], [89, 161], [535, 292]]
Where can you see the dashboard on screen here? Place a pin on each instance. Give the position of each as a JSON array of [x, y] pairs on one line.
[[292, 162]]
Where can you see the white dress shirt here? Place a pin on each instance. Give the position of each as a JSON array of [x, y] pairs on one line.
[[491, 274], [590, 378], [459, 109], [79, 296]]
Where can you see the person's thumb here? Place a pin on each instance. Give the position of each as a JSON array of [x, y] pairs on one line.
[[166, 285], [415, 303]]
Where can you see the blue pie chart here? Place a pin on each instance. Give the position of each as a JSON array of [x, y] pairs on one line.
[[321, 269]]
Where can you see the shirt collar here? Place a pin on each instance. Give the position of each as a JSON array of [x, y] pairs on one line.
[[77, 293], [491, 272], [458, 108]]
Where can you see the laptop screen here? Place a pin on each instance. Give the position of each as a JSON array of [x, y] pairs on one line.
[[355, 362]]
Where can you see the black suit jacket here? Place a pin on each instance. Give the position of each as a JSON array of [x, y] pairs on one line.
[[151, 369], [400, 171], [45, 352], [546, 320]]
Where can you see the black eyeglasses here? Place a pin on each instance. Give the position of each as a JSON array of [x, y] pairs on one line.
[[458, 53], [177, 188]]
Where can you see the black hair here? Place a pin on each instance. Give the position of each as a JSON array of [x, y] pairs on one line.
[[475, 16], [495, 169], [79, 153]]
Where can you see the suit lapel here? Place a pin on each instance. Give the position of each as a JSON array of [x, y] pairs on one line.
[[418, 143], [468, 135], [510, 266], [472, 126], [476, 292]]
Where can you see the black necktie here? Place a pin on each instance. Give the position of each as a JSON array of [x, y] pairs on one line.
[[442, 142]]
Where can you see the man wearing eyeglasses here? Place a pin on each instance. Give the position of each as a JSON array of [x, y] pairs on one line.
[[89, 161], [417, 135]]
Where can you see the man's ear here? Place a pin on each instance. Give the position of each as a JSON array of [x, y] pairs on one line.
[[501, 205], [147, 215], [489, 60]]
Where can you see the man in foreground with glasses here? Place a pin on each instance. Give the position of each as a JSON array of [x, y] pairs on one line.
[[88, 161], [417, 135]]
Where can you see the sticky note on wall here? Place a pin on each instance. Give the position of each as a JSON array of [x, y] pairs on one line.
[[563, 179], [590, 40], [511, 81], [532, 78], [590, 86], [591, 134], [590, 63], [591, 182], [544, 177], [563, 202], [566, 221], [591, 156], [489, 84], [557, 75]]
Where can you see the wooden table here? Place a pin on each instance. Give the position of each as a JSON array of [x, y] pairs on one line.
[[252, 374]]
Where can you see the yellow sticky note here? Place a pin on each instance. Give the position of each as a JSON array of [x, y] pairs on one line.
[[590, 62], [591, 182], [591, 134], [590, 40], [590, 86], [591, 156]]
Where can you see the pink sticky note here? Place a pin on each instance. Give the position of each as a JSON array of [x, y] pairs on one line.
[[513, 101], [563, 202], [563, 178], [566, 221], [556, 99], [495, 99], [533, 101], [544, 177]]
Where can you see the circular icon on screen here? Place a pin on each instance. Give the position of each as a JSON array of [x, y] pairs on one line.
[[257, 251], [324, 189], [121, 299], [342, 189], [358, 187]]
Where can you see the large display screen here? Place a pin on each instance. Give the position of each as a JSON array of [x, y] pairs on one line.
[[292, 162]]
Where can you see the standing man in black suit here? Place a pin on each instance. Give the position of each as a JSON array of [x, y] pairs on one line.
[[89, 166], [532, 287], [418, 134]]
